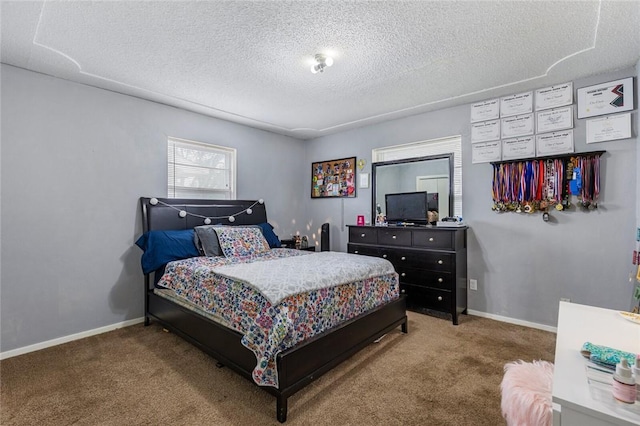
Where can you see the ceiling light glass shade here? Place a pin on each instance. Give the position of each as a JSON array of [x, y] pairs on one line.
[[322, 61]]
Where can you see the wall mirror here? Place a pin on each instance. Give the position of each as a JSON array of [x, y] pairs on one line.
[[431, 174]]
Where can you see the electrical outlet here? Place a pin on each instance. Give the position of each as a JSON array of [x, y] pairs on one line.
[[565, 299], [473, 284]]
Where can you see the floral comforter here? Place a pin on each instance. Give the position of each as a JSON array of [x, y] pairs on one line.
[[282, 297]]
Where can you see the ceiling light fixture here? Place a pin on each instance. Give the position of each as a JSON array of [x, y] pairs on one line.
[[322, 61]]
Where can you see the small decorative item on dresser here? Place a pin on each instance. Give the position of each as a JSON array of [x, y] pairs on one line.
[[381, 219], [451, 222], [624, 386]]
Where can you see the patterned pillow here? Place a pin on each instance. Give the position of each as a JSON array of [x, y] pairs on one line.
[[241, 241]]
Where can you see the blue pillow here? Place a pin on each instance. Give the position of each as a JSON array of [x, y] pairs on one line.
[[269, 235], [161, 247]]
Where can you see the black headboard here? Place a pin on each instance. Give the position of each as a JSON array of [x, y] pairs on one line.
[[165, 213]]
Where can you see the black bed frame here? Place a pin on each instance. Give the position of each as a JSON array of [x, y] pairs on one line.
[[297, 366]]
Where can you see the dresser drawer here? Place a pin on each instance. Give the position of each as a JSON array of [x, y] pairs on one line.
[[422, 297], [440, 280], [433, 261], [384, 253], [441, 240], [394, 237], [363, 235], [363, 250]]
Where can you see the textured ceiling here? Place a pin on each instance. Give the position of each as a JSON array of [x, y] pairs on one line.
[[248, 61]]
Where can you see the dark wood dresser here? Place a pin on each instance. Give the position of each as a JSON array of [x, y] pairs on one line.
[[431, 263]]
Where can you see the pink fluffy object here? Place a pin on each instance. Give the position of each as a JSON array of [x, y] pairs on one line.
[[526, 393]]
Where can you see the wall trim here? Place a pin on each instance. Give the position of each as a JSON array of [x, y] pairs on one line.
[[100, 330], [513, 321], [70, 338]]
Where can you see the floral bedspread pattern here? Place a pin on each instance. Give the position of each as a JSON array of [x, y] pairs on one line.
[[269, 328]]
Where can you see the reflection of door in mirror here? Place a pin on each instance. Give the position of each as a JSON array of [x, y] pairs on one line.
[[436, 184]]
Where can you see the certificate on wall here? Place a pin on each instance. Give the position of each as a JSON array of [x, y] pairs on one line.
[[485, 110], [609, 128], [513, 149], [606, 98], [522, 103], [554, 143], [554, 96], [518, 125], [554, 119], [485, 152], [485, 131]]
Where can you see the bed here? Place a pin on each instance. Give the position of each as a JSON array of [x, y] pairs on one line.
[[291, 363]]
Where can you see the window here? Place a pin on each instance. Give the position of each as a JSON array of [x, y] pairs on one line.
[[430, 147], [198, 170]]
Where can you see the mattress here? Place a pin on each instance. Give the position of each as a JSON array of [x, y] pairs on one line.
[[280, 298]]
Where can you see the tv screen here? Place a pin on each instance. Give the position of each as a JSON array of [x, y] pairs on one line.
[[406, 207]]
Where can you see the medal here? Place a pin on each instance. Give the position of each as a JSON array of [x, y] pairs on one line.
[[529, 186]]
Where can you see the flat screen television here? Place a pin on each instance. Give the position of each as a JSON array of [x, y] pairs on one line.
[[406, 207]]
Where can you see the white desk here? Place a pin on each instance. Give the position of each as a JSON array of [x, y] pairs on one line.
[[580, 405]]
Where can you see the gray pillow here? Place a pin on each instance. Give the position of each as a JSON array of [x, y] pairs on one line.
[[206, 240]]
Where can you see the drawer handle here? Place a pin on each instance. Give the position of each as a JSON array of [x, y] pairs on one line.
[[384, 256], [440, 280], [439, 298], [403, 258], [394, 237], [403, 274], [356, 252], [440, 262], [431, 239], [362, 235]]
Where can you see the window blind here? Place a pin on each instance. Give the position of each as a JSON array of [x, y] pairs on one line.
[[198, 170]]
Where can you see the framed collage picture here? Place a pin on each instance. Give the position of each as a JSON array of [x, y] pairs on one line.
[[334, 178]]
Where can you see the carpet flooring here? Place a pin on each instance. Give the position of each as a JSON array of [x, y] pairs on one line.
[[437, 374]]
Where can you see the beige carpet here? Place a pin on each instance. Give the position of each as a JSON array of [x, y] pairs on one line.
[[438, 374]]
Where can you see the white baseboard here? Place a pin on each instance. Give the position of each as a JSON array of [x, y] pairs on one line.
[[513, 321], [82, 335], [70, 338]]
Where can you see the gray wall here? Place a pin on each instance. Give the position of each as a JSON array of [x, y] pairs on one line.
[[638, 151], [75, 160], [523, 265], [637, 116]]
